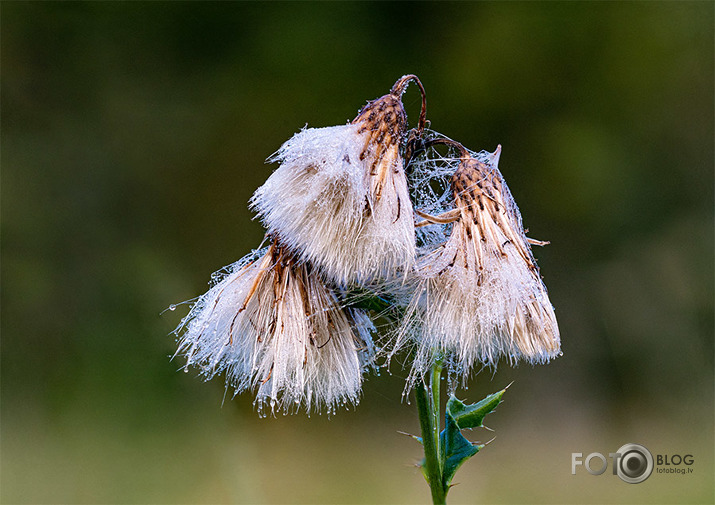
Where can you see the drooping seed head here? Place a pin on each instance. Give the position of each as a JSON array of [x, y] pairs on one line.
[[273, 326], [479, 295], [340, 200]]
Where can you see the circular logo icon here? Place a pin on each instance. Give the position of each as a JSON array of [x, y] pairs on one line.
[[635, 464]]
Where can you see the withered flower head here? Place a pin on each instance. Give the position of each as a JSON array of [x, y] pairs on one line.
[[479, 294], [339, 198], [273, 326]]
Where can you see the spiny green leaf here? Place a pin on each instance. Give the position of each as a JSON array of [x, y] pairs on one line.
[[471, 416], [455, 449]]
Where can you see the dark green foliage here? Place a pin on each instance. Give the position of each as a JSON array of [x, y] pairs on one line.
[[471, 416], [454, 447]]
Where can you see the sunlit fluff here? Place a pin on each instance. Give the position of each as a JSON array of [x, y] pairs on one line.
[[340, 198], [272, 325], [478, 296]]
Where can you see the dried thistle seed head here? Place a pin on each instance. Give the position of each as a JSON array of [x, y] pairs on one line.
[[479, 294], [273, 326], [340, 198]]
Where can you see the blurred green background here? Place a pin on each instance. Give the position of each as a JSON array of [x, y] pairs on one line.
[[133, 135]]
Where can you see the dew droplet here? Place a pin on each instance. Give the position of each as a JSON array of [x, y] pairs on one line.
[[172, 307]]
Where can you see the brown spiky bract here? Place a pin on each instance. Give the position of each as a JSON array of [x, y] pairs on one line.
[[382, 122]]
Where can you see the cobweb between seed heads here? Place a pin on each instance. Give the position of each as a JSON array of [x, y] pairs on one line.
[[429, 178]]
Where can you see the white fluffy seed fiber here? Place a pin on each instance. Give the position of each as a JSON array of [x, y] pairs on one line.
[[322, 204], [478, 297], [274, 327]]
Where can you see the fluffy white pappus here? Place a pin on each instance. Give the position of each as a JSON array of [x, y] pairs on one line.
[[478, 297], [324, 203], [273, 326]]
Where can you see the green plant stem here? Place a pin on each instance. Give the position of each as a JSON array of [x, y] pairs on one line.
[[428, 411], [435, 385]]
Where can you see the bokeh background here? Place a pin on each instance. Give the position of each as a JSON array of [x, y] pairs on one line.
[[133, 135]]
